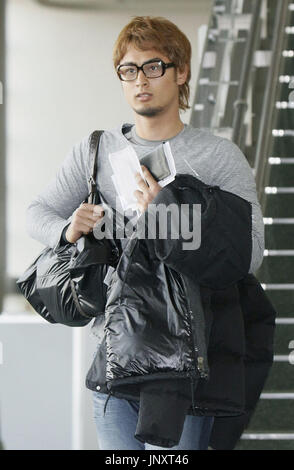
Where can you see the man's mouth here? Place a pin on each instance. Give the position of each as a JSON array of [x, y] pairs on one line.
[[144, 96]]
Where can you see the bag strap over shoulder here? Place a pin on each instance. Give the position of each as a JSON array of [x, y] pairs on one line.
[[94, 145]]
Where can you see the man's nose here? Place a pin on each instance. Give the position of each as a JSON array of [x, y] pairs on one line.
[[141, 78]]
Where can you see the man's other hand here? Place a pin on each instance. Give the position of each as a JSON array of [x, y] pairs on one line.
[[83, 221]]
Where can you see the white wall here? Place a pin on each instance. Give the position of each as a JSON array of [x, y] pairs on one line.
[[60, 86], [36, 385]]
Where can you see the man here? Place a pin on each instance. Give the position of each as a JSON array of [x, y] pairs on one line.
[[152, 60]]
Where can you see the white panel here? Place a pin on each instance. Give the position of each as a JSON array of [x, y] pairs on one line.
[[35, 386], [209, 60]]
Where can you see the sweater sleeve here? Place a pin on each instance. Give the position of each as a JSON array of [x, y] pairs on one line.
[[51, 210], [234, 174]]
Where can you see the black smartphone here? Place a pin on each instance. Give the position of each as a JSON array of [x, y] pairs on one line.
[[157, 163]]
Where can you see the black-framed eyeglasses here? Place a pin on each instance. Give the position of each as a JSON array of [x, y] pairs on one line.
[[152, 68]]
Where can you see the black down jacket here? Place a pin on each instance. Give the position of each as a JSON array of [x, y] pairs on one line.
[[173, 333]]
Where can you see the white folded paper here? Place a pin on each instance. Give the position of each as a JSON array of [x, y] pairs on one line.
[[125, 164]]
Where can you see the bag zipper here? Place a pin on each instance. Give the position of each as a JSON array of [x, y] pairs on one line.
[[198, 349]]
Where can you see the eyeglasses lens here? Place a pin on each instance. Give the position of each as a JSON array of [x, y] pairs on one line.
[[151, 70]]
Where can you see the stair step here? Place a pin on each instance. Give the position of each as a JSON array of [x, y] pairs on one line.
[[284, 104], [288, 53], [241, 21], [280, 378], [277, 396], [279, 206], [281, 358], [279, 190], [278, 220], [266, 442], [283, 301], [282, 146], [215, 39], [219, 8], [278, 252], [286, 78], [207, 82], [283, 344], [215, 35], [282, 133], [277, 286], [272, 416], [280, 161], [278, 235], [277, 269], [285, 321], [285, 90], [281, 174]]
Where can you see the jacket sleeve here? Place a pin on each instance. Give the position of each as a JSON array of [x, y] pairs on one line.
[[233, 173], [51, 210]]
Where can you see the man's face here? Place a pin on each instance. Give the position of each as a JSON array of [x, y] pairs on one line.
[[150, 96]]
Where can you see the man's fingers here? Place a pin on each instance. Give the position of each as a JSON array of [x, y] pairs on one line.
[[86, 205], [138, 195], [140, 182], [90, 207], [149, 178], [85, 228], [98, 210], [91, 211], [85, 217], [85, 221]]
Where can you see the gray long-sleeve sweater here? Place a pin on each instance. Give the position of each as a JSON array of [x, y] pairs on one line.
[[212, 159]]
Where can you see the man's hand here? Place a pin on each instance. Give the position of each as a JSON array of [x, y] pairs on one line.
[[148, 191], [83, 220]]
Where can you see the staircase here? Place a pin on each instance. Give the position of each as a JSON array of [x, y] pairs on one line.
[[243, 93]]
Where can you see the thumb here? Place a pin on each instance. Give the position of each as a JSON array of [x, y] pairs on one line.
[[98, 210]]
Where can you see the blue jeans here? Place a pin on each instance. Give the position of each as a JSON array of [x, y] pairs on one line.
[[115, 430]]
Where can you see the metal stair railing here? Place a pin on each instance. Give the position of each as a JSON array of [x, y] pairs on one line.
[[267, 114], [276, 272], [241, 104], [221, 100]]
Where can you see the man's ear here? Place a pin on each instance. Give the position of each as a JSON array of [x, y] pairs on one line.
[[182, 75]]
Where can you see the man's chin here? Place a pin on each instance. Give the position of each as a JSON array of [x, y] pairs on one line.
[[148, 112]]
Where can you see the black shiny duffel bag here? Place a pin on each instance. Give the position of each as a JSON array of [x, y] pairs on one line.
[[65, 285]]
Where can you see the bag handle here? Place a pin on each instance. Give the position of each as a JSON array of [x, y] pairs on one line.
[[94, 145]]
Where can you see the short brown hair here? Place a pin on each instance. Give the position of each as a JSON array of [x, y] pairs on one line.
[[150, 32]]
